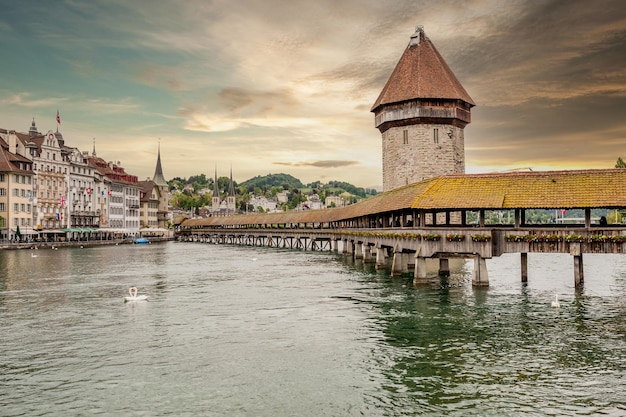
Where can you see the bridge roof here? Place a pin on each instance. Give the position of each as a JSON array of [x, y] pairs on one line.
[[602, 188], [541, 190]]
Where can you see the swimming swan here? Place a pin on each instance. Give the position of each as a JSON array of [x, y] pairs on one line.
[[555, 303], [133, 295]]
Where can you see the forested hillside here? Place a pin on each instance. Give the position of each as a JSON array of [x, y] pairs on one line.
[[197, 190]]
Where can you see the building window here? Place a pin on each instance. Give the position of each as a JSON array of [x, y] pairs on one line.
[[3, 191], [2, 207], [436, 135], [2, 177], [405, 136]]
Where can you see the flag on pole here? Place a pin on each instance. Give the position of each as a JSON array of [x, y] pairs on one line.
[[62, 201], [58, 117]]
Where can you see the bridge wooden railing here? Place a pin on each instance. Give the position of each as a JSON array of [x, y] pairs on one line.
[[485, 242]]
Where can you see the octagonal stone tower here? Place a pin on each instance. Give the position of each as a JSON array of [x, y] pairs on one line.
[[421, 113]]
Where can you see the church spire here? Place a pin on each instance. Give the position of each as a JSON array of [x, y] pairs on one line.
[[216, 190], [230, 200], [231, 187], [32, 132], [158, 178]]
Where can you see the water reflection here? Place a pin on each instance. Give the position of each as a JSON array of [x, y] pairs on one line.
[[452, 349], [308, 334]]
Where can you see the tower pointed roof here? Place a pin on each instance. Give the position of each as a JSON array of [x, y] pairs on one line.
[[231, 187], [216, 191], [421, 73], [158, 178]]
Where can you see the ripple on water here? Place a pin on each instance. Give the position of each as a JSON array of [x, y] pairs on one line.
[[299, 333]]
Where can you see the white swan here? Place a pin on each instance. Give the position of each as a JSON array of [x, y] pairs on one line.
[[32, 255], [133, 295], [556, 303]]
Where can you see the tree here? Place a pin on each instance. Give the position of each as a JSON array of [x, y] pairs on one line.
[[620, 163]]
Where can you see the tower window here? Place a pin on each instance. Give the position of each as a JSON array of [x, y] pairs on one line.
[[436, 135], [405, 136]]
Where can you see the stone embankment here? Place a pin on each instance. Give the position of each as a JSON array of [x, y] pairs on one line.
[[73, 244]]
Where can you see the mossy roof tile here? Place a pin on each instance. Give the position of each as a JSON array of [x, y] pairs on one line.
[[524, 190]]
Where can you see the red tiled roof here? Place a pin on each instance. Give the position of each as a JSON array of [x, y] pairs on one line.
[[9, 162], [421, 73], [114, 173]]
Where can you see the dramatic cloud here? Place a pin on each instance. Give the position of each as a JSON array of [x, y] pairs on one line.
[[250, 83], [320, 164]]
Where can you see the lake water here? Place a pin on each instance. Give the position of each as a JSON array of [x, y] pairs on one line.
[[247, 331]]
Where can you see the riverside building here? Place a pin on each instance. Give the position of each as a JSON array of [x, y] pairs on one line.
[[50, 190], [16, 187]]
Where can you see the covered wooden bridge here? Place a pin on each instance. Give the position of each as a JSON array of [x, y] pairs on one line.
[[442, 218]]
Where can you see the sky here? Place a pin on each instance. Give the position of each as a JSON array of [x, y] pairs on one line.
[[274, 86]]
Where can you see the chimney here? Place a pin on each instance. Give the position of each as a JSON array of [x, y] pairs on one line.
[[12, 142]]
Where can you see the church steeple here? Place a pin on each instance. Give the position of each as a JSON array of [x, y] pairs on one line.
[[158, 178], [421, 113], [32, 132], [231, 187], [216, 195], [216, 191], [230, 200]]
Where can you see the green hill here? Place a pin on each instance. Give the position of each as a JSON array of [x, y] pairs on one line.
[[284, 181]]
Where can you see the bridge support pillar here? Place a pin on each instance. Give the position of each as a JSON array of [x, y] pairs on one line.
[[398, 264], [579, 275], [480, 278], [358, 250], [405, 262], [524, 266], [381, 258], [444, 267], [367, 253], [349, 247], [334, 247], [419, 274]]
